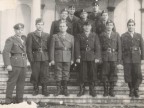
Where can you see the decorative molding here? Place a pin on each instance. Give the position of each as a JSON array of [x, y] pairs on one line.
[[111, 8]]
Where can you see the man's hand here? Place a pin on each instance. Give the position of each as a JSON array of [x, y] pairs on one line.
[[78, 60], [72, 62], [97, 60], [9, 68], [52, 62]]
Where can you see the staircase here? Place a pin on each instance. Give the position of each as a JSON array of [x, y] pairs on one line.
[[121, 100]]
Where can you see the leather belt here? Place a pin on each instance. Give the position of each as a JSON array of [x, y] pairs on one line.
[[40, 50], [134, 48], [64, 49], [87, 49], [19, 54], [110, 50]]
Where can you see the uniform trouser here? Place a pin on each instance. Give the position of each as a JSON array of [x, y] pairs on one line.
[[16, 78], [87, 72], [40, 72], [62, 71], [109, 71], [132, 73]]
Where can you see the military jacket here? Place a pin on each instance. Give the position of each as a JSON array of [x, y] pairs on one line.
[[14, 52], [94, 17], [132, 48], [110, 46], [62, 49], [38, 46], [55, 27], [87, 48]]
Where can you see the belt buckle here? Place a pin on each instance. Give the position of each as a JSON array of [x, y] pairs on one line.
[[40, 50], [109, 50], [65, 48], [23, 54], [88, 48]]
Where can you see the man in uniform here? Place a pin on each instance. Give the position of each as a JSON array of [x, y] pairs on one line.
[[96, 14], [63, 18], [87, 48], [71, 17], [132, 54], [78, 27], [111, 56], [15, 64], [37, 52], [61, 55]]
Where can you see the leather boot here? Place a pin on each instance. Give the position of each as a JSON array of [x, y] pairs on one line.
[[35, 90], [44, 90], [131, 93], [58, 89], [91, 89], [105, 84], [111, 89], [65, 92], [82, 90], [136, 89]]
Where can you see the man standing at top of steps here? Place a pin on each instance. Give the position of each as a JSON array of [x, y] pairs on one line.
[[132, 54], [15, 64], [111, 56], [87, 49], [38, 56], [62, 55]]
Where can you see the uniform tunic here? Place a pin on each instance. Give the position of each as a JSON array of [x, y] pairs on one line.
[[132, 54], [38, 55], [87, 50], [111, 54], [62, 52], [15, 47]]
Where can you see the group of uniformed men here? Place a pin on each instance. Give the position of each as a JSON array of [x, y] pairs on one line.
[[90, 41]]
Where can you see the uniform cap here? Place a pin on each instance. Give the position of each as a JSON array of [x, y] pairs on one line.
[[18, 26], [109, 21], [131, 21], [86, 23], [95, 3], [83, 11], [64, 10], [38, 20], [71, 6], [104, 11]]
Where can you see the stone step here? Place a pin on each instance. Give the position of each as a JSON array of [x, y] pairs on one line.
[[86, 99]]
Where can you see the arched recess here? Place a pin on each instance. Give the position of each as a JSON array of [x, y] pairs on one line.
[[23, 15]]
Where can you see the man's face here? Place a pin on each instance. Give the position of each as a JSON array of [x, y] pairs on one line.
[[84, 15], [64, 15], [105, 16], [131, 27], [19, 32], [96, 8], [39, 26], [109, 26], [63, 27], [87, 28], [71, 11]]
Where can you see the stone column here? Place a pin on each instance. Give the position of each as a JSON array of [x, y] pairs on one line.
[[36, 12], [130, 9], [142, 10]]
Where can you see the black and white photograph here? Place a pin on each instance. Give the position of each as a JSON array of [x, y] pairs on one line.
[[71, 53]]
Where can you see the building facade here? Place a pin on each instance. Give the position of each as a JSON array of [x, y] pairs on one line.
[[26, 11]]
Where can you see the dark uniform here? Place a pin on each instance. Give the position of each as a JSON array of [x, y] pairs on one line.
[[62, 52], [15, 46], [55, 27], [87, 50], [38, 55], [111, 55], [132, 54]]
